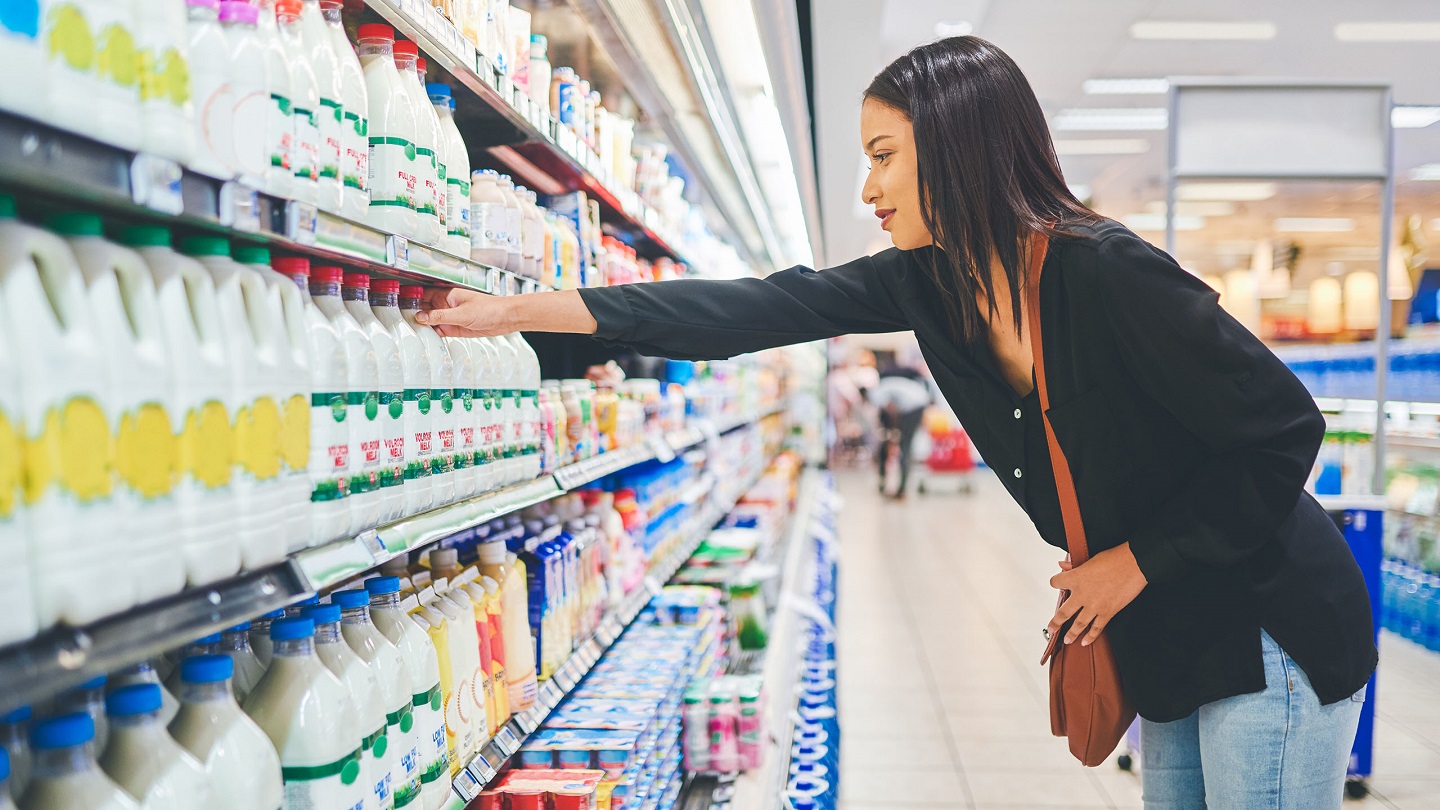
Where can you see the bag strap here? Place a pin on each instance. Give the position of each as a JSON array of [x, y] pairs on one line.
[[1064, 482]]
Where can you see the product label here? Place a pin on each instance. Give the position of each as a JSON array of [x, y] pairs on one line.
[[445, 436], [489, 226], [365, 440], [330, 116], [428, 195], [530, 421], [458, 204], [441, 195], [466, 456], [305, 152], [145, 452], [166, 76], [295, 434], [430, 720], [329, 446], [514, 422], [257, 439], [514, 232], [420, 431], [405, 786], [11, 446], [280, 132], [394, 176], [252, 131], [356, 161], [377, 768], [334, 786], [392, 429], [207, 446]]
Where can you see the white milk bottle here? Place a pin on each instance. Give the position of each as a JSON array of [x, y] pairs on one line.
[[355, 129], [240, 762], [167, 116], [5, 784], [17, 604], [279, 117], [88, 697], [482, 356], [391, 375], [145, 672], [419, 427], [427, 132], [540, 72], [15, 741], [260, 636], [442, 396], [392, 133], [285, 332], [424, 668], [363, 691], [532, 232], [507, 380], [304, 105], [362, 398], [489, 240], [94, 72], [254, 395], [235, 642], [514, 226], [529, 385], [144, 759], [195, 350], [392, 678], [467, 474], [305, 712], [330, 115], [20, 44], [248, 90], [438, 193], [457, 172], [122, 303], [66, 776], [210, 72]]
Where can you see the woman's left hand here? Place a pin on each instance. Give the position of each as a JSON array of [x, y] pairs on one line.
[[1099, 589]]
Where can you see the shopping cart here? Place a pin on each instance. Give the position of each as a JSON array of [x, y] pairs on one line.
[[950, 458]]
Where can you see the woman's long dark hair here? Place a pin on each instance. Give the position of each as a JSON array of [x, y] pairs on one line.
[[988, 175]]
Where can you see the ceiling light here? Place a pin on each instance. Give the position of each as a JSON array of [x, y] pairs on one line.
[[1428, 31], [1426, 171], [1127, 87], [1116, 119], [1226, 192], [1194, 209], [1314, 225], [1156, 222], [1161, 29], [956, 28], [1406, 116], [1102, 146]]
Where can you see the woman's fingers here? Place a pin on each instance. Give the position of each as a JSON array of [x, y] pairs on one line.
[[1096, 628], [1067, 609], [1082, 621]]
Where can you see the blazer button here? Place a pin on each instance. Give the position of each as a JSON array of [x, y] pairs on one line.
[[1017, 413], [1017, 472]]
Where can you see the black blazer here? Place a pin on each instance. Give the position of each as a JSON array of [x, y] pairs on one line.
[[1186, 435]]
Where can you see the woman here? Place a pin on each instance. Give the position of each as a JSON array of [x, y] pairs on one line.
[[1238, 617]]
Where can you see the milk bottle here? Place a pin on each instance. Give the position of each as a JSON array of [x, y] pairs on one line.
[[304, 710], [205, 645], [362, 398], [144, 673], [330, 462], [467, 474], [392, 132], [284, 327], [248, 90], [241, 765], [305, 109], [363, 693], [540, 71], [532, 233], [514, 226], [489, 222], [419, 429], [5, 802], [15, 741], [144, 759], [355, 129], [356, 293], [279, 118], [260, 636], [423, 664], [427, 135], [88, 697], [93, 72], [20, 44], [17, 605], [442, 396], [66, 775], [167, 116], [528, 380], [196, 353], [507, 380], [121, 295], [403, 736], [316, 39], [486, 414], [210, 73], [457, 172], [235, 642], [245, 303], [438, 192]]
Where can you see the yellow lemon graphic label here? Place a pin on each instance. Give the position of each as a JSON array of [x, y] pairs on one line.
[[150, 88], [174, 77], [145, 452], [87, 450], [118, 60], [207, 447], [70, 39], [10, 460], [257, 438], [295, 433]]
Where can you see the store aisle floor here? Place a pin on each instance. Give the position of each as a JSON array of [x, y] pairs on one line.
[[943, 703]]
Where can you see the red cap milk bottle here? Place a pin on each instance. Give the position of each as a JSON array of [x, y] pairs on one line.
[[415, 369], [392, 132], [392, 396], [319, 51], [355, 128], [279, 119], [442, 397], [304, 105]]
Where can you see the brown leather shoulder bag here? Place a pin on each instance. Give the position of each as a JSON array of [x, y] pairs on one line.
[[1087, 703]]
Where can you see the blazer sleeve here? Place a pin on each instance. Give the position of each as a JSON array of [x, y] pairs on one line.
[[697, 319], [1260, 423]]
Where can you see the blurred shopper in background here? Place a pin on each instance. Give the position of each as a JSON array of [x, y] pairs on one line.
[[900, 397]]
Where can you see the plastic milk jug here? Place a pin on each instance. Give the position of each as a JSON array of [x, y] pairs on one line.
[[249, 90], [467, 481], [93, 71], [210, 72], [330, 115], [366, 709], [415, 368], [144, 759], [392, 131], [167, 113], [17, 605], [355, 129], [66, 775], [427, 131], [279, 117], [20, 44], [304, 105], [356, 293], [442, 397]]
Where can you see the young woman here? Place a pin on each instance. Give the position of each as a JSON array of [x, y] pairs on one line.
[[1238, 617]]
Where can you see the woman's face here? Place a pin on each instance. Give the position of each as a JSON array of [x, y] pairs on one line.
[[893, 185]]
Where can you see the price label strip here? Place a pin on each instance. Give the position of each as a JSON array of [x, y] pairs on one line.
[[240, 207], [155, 183], [331, 563]]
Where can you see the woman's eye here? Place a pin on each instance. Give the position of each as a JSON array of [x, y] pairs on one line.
[[880, 158]]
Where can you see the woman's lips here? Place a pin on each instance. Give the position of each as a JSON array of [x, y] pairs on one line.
[[885, 215]]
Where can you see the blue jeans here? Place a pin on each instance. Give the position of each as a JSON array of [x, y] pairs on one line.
[[1273, 750]]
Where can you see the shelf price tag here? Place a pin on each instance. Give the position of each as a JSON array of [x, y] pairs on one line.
[[370, 539], [155, 183], [239, 206], [397, 252], [300, 222], [467, 786], [493, 283]]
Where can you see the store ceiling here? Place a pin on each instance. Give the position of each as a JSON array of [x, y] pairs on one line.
[[1061, 43]]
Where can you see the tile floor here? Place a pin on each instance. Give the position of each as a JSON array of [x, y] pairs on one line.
[[943, 702]]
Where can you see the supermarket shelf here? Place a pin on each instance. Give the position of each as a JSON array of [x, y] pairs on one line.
[[1340, 503], [1402, 441], [485, 765], [1347, 370]]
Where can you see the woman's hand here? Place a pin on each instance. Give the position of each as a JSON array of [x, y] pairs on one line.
[[464, 313], [1099, 589]]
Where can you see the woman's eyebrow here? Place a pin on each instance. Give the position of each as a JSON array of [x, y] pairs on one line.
[[876, 139]]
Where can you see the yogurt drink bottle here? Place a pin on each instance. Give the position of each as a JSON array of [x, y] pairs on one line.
[[489, 221], [210, 73], [355, 128], [144, 759], [167, 115], [15, 741], [279, 116], [392, 678], [457, 172], [394, 179], [514, 227], [442, 397], [501, 566], [235, 642], [427, 135], [122, 303], [304, 104], [260, 636], [362, 396], [66, 776], [453, 601], [285, 330], [423, 664], [241, 765], [366, 708], [437, 629], [356, 293], [248, 89], [319, 50], [304, 710], [330, 462], [419, 427], [195, 350]]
